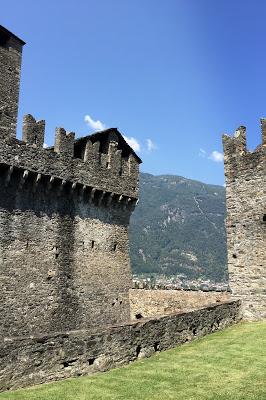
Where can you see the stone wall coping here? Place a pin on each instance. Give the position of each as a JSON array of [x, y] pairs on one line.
[[133, 324]]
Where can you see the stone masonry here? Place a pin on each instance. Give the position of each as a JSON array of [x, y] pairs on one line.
[[65, 271], [145, 303], [30, 360], [10, 61], [246, 221], [64, 215]]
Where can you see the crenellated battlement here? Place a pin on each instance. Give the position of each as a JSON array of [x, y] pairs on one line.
[[238, 141], [33, 131], [64, 216], [237, 144], [245, 223], [64, 142], [101, 162], [238, 160]]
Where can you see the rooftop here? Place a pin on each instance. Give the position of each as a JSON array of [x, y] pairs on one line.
[[7, 33]]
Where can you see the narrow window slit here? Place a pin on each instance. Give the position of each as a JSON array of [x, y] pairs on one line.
[[156, 346], [138, 350], [56, 252]]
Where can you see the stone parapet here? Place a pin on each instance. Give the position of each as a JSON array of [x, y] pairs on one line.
[[146, 303], [32, 360], [79, 163]]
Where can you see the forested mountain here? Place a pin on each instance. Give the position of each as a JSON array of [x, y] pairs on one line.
[[178, 228]]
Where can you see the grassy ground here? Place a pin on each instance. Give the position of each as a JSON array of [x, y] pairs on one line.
[[228, 365]]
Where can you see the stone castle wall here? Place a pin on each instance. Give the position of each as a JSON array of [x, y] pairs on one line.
[[246, 221], [10, 62], [64, 264], [93, 162], [31, 360], [147, 303], [64, 215]]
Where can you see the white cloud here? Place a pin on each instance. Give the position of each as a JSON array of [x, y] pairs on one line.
[[94, 125], [202, 153], [216, 156], [45, 145], [133, 143], [151, 145]]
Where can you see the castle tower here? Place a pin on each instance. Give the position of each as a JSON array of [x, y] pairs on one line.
[[245, 174], [10, 61], [64, 216]]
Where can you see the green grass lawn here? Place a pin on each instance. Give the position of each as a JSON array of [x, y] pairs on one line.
[[228, 365]]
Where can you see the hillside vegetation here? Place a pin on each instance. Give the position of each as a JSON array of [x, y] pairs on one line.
[[178, 228], [228, 365]]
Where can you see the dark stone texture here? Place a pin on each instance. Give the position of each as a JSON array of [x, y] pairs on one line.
[[10, 61], [64, 215], [246, 228], [64, 259], [30, 360], [64, 263]]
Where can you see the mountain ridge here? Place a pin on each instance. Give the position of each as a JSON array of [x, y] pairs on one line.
[[178, 228]]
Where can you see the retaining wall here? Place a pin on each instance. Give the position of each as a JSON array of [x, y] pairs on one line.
[[146, 303], [31, 360]]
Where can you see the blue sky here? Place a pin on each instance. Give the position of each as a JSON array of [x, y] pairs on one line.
[[171, 75]]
